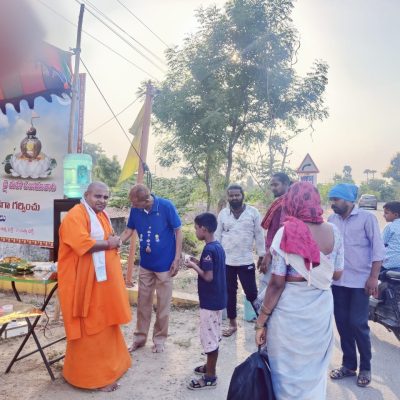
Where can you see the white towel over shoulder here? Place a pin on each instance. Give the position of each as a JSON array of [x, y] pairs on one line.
[[97, 233]]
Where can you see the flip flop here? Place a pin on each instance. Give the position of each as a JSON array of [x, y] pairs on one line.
[[342, 372], [200, 370], [229, 332], [364, 378], [203, 383]]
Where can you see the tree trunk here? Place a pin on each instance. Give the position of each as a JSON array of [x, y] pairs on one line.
[[208, 183], [229, 165], [208, 186]]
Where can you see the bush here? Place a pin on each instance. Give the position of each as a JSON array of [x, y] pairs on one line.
[[190, 245]]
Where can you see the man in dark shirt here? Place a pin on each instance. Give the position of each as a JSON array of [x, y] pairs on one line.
[[272, 221]]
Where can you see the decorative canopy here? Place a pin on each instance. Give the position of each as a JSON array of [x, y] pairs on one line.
[[48, 73]]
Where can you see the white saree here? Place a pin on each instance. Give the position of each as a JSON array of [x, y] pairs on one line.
[[300, 331]]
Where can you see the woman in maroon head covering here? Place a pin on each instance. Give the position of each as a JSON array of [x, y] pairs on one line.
[[296, 316]]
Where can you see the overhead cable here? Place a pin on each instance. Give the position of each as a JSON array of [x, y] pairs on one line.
[[112, 118], [138, 19], [122, 38], [144, 165], [97, 40], [124, 31]]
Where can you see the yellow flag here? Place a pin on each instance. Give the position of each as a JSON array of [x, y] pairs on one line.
[[131, 164]]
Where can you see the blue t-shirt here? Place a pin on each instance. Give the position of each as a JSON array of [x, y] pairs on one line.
[[391, 239], [213, 295], [156, 232]]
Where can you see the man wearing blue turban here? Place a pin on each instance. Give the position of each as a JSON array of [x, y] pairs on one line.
[[345, 191], [363, 255]]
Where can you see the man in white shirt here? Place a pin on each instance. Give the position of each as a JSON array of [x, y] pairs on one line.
[[239, 228]]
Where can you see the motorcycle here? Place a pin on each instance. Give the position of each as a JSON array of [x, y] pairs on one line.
[[386, 311]]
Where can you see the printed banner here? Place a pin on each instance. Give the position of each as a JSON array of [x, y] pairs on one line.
[[33, 146]]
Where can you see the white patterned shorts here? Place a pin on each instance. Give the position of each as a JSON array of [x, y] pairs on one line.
[[210, 329]]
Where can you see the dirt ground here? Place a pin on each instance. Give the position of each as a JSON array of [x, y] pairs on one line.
[[165, 375]]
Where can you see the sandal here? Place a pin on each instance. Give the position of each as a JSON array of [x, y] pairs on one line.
[[342, 372], [364, 378], [203, 383], [200, 370], [229, 331]]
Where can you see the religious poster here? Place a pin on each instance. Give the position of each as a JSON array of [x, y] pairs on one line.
[[33, 145]]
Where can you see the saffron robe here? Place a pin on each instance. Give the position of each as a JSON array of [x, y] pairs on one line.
[[96, 353]]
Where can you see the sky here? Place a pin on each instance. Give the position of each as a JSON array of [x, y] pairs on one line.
[[359, 39]]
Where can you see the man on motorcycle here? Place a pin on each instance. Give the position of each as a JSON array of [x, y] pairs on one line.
[[391, 238]]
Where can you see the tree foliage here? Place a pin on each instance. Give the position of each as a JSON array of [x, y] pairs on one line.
[[104, 169], [95, 150], [383, 190], [232, 88], [393, 170], [181, 191], [107, 170]]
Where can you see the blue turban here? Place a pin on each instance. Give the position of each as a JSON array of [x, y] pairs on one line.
[[345, 191]]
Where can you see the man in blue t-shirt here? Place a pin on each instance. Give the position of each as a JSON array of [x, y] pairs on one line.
[[212, 296], [158, 227]]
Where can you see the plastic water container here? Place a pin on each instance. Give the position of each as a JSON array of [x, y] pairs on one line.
[[77, 174], [248, 311]]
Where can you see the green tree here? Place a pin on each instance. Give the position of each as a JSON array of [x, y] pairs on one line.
[[107, 170], [181, 191], [324, 189], [381, 188], [233, 85], [337, 178], [104, 169], [393, 170], [367, 172], [93, 149]]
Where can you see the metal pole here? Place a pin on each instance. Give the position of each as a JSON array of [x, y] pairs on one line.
[[75, 81], [144, 142]]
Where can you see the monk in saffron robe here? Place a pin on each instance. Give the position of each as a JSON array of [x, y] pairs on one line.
[[92, 293]]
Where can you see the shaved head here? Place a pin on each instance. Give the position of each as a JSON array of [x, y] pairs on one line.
[[97, 195], [96, 185]]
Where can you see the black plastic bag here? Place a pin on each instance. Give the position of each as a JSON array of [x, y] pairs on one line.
[[251, 380]]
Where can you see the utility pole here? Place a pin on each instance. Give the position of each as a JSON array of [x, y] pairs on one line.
[[144, 143], [75, 81]]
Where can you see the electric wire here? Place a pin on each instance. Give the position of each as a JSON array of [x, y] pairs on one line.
[[138, 19], [144, 165], [97, 40], [112, 118], [124, 31], [122, 38]]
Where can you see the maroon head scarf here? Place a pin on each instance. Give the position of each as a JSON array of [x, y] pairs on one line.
[[302, 204]]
